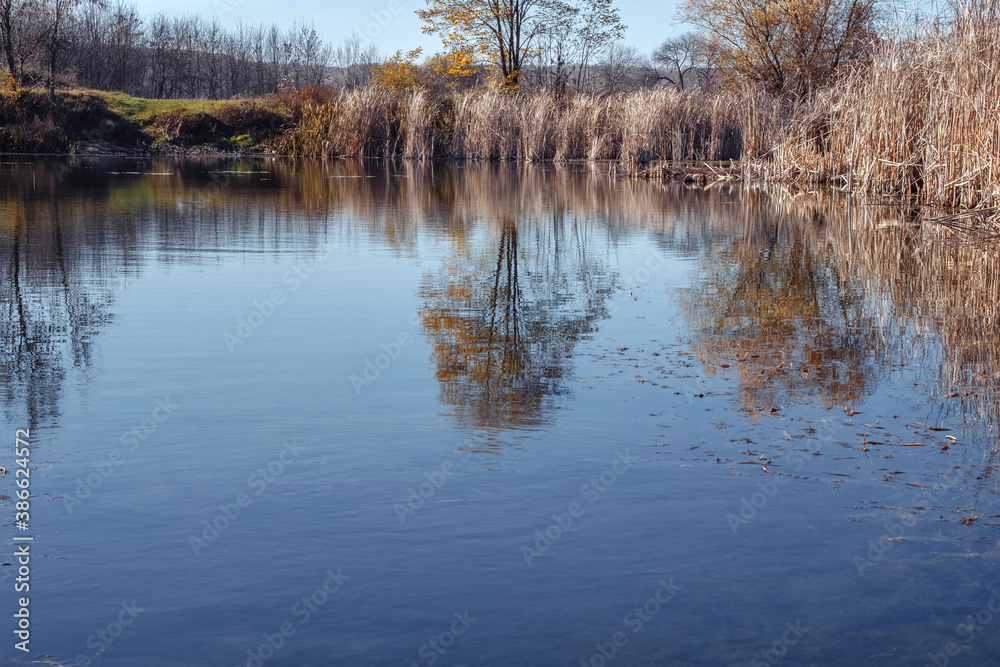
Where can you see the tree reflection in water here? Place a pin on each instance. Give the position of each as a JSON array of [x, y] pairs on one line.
[[775, 309], [807, 296], [52, 310], [503, 329]]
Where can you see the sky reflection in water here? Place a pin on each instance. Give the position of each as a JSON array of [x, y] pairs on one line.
[[532, 397]]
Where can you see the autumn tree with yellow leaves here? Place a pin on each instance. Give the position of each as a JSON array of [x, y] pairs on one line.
[[788, 46], [400, 73], [508, 33], [455, 70]]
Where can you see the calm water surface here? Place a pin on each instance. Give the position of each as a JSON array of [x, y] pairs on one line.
[[491, 416]]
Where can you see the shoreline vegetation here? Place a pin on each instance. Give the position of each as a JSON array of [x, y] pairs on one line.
[[918, 121]]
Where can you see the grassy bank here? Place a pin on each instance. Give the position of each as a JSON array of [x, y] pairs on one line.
[[82, 121]]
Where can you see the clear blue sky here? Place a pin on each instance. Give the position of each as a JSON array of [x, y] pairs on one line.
[[649, 22]]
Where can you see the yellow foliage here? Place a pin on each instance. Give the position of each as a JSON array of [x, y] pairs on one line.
[[400, 73], [13, 91], [455, 69]]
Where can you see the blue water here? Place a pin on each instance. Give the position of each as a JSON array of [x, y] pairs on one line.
[[298, 413]]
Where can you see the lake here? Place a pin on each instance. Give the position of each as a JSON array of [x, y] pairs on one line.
[[294, 413]]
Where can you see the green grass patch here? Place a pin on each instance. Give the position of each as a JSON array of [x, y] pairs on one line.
[[142, 110], [242, 124]]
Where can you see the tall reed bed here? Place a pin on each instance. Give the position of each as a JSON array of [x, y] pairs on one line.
[[485, 124], [921, 120]]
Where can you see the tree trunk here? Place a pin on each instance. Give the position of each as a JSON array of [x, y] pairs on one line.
[[6, 33], [9, 49]]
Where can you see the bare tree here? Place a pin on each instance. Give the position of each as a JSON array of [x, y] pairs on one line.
[[57, 17], [354, 61], [12, 15], [106, 49], [311, 55], [710, 61], [159, 36], [213, 45], [19, 22], [597, 29], [555, 61], [678, 56], [622, 68]]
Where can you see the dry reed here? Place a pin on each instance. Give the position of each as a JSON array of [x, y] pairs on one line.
[[484, 124], [921, 121]]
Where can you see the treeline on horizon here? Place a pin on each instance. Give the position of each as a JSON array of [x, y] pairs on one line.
[[112, 46], [840, 92]]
